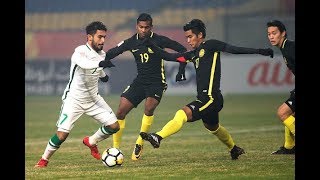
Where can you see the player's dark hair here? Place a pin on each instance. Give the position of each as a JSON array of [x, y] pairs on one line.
[[278, 24], [144, 17], [94, 26], [196, 26]]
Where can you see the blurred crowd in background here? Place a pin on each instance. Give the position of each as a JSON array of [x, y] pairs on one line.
[[53, 28]]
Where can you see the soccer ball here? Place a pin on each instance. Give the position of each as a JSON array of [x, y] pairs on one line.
[[112, 157]]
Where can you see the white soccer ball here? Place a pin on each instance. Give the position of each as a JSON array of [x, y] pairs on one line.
[[112, 157]]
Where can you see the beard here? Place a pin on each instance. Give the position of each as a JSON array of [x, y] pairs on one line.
[[97, 47]]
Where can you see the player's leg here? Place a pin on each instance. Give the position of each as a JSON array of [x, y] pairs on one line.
[[147, 120], [172, 127], [70, 112], [102, 113], [225, 137], [175, 124], [289, 143], [210, 118], [52, 146], [153, 94], [130, 98], [125, 106], [211, 123], [286, 112]]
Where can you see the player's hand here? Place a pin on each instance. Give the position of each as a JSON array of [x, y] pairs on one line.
[[266, 52], [104, 79], [180, 76], [106, 63], [181, 73]]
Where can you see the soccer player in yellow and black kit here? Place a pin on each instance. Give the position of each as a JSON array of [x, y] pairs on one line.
[[209, 102], [277, 35], [150, 83]]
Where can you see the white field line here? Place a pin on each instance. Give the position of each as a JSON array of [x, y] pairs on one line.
[[194, 133]]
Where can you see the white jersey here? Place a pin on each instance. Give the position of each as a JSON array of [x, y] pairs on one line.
[[84, 74]]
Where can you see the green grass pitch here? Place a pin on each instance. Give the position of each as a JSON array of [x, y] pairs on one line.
[[192, 153]]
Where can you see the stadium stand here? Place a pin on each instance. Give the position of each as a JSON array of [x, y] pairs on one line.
[[48, 15], [49, 21], [55, 6]]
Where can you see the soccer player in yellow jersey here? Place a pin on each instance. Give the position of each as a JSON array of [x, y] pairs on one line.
[[206, 59], [277, 35], [150, 83]]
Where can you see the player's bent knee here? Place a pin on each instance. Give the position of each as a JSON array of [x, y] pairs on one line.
[[110, 130], [280, 111], [211, 128], [149, 110], [121, 115], [284, 112]]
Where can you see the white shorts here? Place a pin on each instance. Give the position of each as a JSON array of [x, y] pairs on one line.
[[71, 110]]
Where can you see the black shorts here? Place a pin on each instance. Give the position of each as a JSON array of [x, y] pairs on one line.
[[137, 91], [207, 108], [291, 102]]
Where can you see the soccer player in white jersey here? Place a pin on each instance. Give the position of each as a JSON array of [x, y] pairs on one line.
[[81, 95]]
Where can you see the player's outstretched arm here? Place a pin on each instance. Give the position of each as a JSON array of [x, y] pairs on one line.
[[106, 63], [244, 50], [114, 52], [179, 57], [216, 45], [266, 52]]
